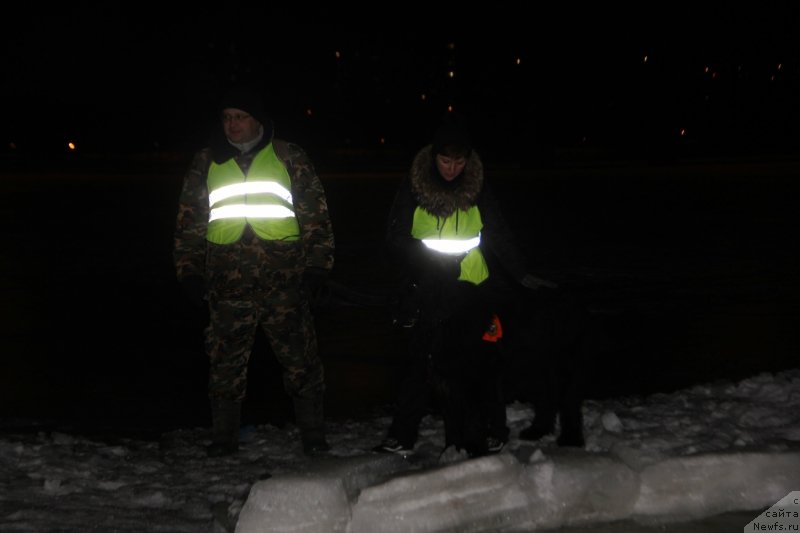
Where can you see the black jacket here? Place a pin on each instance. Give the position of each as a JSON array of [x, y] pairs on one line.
[[424, 188]]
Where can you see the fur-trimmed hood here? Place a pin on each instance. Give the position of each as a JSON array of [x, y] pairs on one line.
[[434, 195]]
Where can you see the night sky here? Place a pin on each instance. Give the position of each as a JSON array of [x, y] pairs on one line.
[[142, 79]]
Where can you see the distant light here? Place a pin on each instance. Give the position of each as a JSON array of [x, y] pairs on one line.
[[780, 66], [449, 109], [519, 61], [423, 97], [451, 74], [683, 132], [706, 70], [338, 54], [309, 112], [713, 75], [383, 140], [451, 46], [645, 59], [71, 145]]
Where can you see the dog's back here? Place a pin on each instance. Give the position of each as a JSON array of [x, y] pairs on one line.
[[550, 347]]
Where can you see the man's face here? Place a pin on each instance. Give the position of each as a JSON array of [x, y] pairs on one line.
[[239, 126], [450, 166]]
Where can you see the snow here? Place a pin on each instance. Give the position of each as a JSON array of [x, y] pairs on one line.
[[656, 460]]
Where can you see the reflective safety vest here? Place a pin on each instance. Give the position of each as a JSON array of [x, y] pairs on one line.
[[458, 234], [262, 199]]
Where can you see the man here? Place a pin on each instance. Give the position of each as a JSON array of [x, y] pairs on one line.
[[254, 243]]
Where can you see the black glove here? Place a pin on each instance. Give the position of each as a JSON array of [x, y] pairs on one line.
[[194, 289], [315, 283], [529, 281]]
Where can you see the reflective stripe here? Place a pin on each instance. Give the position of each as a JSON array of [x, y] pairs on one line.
[[453, 246], [249, 187], [250, 211], [262, 200], [458, 235]]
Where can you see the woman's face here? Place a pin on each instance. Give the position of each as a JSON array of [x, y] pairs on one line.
[[450, 167]]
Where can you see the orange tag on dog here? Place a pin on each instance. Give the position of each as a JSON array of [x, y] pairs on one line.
[[495, 331]]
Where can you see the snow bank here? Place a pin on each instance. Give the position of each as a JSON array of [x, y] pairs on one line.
[[502, 492]]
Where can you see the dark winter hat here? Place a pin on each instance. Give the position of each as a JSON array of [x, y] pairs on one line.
[[246, 98], [452, 138]]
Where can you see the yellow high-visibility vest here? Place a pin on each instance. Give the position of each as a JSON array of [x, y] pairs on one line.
[[262, 199], [458, 234]]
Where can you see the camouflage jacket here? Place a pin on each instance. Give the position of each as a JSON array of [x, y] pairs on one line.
[[252, 263]]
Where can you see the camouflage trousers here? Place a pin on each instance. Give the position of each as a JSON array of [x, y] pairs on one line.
[[285, 317]]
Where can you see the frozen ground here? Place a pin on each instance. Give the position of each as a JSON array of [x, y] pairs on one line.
[[705, 457]]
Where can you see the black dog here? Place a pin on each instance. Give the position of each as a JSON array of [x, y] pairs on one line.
[[551, 344], [454, 324]]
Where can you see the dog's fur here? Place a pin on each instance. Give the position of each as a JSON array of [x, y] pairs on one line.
[[547, 352], [550, 347], [545, 357]]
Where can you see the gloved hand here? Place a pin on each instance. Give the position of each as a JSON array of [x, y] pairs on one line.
[[529, 281], [315, 283], [194, 288]]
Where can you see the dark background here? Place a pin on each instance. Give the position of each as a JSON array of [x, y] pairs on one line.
[[663, 191], [691, 268], [552, 81]]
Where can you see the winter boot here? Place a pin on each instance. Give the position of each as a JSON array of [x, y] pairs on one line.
[[226, 417], [309, 419]]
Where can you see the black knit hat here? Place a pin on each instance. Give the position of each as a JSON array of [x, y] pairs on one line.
[[452, 138], [246, 98]]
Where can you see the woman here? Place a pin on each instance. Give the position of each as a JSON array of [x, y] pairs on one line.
[[444, 224]]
